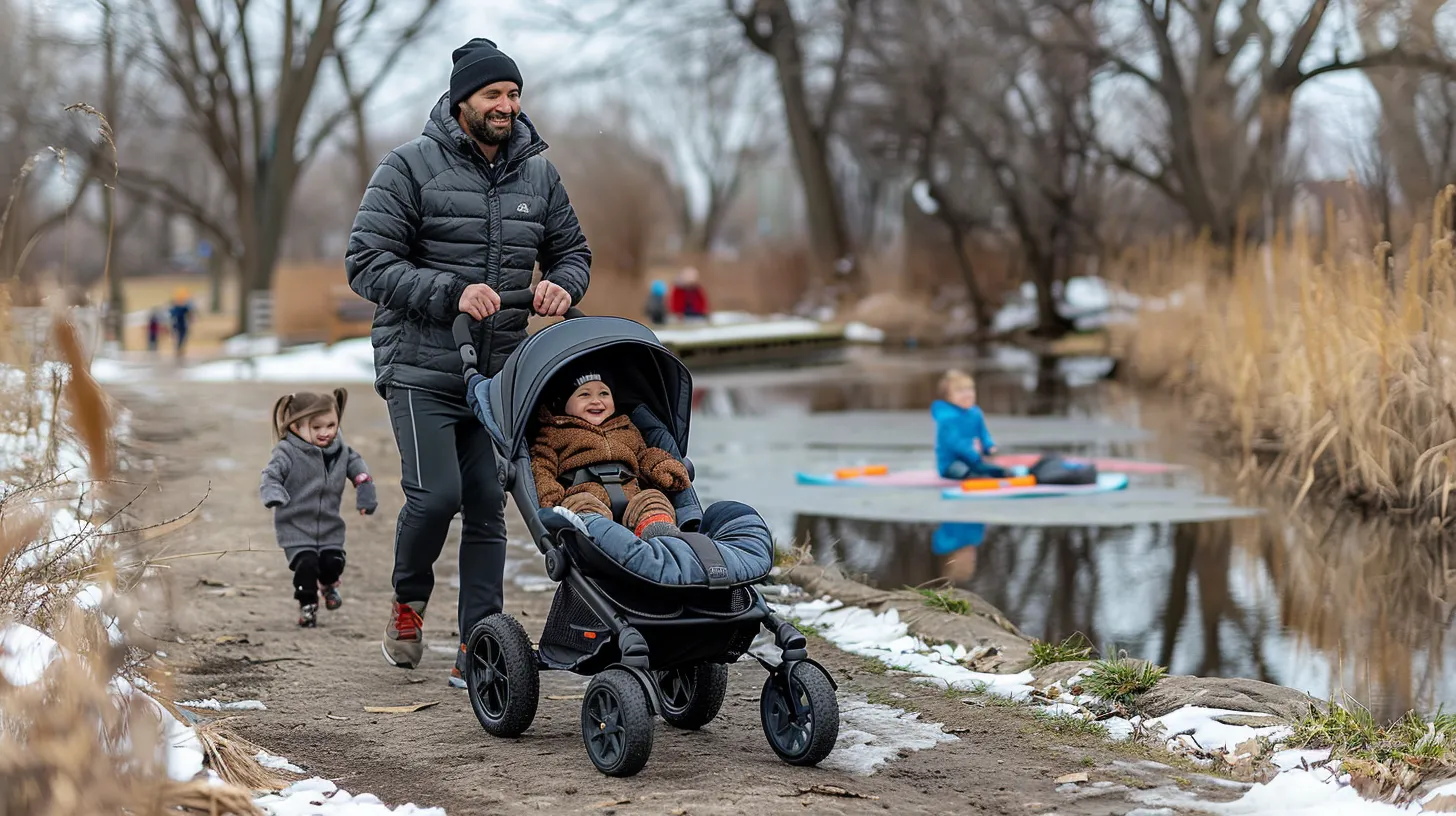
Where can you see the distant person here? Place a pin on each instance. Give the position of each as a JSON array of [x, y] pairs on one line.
[[154, 329], [303, 485], [657, 303], [463, 211], [688, 300], [962, 440], [181, 319]]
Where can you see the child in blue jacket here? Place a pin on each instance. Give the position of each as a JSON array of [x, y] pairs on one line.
[[961, 437]]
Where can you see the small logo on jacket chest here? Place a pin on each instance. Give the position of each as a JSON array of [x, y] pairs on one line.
[[523, 208]]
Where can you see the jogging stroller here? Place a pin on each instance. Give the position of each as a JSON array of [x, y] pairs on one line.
[[655, 622]]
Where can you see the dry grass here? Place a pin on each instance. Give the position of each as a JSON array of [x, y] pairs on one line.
[[1312, 362], [75, 741]]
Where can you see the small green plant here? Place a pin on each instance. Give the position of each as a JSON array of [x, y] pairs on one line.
[[1122, 680], [945, 601], [1351, 734], [806, 629], [873, 666], [1074, 647], [1069, 724]]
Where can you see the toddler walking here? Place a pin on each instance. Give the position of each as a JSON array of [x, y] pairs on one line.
[[303, 484]]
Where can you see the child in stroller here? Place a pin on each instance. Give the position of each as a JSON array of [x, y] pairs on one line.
[[582, 436], [653, 621]]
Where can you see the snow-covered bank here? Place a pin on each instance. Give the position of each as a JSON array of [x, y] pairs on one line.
[[1306, 782]]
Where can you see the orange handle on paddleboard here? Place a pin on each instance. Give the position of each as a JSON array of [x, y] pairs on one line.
[[866, 470], [998, 484]]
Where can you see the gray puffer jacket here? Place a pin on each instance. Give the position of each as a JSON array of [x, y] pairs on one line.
[[437, 217], [304, 485]]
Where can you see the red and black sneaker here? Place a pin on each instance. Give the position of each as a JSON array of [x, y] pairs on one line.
[[332, 599], [404, 637], [457, 674], [308, 616]]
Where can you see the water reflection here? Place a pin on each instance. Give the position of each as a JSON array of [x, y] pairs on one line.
[[1306, 596], [1242, 598]]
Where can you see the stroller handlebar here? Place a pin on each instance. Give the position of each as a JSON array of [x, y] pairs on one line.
[[460, 329]]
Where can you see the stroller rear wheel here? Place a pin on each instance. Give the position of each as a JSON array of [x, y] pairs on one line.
[[802, 720], [616, 723], [692, 695], [501, 674]]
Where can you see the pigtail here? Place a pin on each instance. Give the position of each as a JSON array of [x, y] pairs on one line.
[[341, 396], [280, 416]]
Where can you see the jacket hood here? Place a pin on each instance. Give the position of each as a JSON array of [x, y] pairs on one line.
[[443, 127], [942, 410]]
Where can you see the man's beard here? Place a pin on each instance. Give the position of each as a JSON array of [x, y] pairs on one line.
[[481, 130]]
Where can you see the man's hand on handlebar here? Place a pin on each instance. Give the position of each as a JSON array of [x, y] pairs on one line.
[[479, 301], [551, 299]]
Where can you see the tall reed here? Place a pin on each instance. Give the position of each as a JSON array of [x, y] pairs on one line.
[[1332, 370]]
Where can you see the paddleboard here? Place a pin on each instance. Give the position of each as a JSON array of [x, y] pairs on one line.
[[1106, 483], [880, 476]]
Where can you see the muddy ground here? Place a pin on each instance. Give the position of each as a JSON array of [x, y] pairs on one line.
[[228, 629]]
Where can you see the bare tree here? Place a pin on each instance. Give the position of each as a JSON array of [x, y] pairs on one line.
[[773, 28], [254, 111], [999, 134], [1223, 81], [718, 127]]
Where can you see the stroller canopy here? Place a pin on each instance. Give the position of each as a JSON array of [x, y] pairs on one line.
[[644, 372]]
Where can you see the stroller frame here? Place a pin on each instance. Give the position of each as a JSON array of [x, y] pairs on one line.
[[684, 678]]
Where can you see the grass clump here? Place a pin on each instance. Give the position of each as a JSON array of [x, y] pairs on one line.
[[1391, 752], [1063, 723], [1073, 648], [944, 601], [1122, 680]]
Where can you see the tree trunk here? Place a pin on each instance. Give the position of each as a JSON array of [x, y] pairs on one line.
[[215, 269], [979, 308], [110, 102], [827, 234]]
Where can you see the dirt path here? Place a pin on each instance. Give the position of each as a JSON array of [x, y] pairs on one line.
[[230, 634]]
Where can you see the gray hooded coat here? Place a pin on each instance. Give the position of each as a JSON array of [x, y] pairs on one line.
[[305, 493]]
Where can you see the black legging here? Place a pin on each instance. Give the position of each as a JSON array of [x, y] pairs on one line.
[[311, 568], [448, 467]]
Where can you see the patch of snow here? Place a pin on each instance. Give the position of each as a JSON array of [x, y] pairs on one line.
[[1210, 733], [1300, 793], [211, 704], [857, 332], [792, 327], [885, 638], [277, 763], [346, 361], [871, 734], [1298, 758], [246, 345], [320, 797]]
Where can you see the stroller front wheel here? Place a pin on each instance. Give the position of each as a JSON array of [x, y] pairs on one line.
[[616, 723], [692, 695], [800, 714], [501, 674]]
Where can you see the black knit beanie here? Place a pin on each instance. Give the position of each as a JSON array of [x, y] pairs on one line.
[[568, 381], [478, 63]]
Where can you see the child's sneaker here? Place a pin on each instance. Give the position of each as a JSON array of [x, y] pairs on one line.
[[332, 599], [308, 616]]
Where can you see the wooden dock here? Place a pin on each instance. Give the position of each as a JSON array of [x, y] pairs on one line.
[[753, 339]]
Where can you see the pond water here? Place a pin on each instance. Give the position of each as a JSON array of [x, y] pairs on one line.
[[1310, 598]]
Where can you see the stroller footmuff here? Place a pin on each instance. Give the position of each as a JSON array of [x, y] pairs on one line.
[[654, 622]]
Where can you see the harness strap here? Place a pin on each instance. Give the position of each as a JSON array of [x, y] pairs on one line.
[[709, 556], [611, 476]]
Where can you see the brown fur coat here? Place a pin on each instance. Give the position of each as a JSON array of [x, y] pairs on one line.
[[566, 443]]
